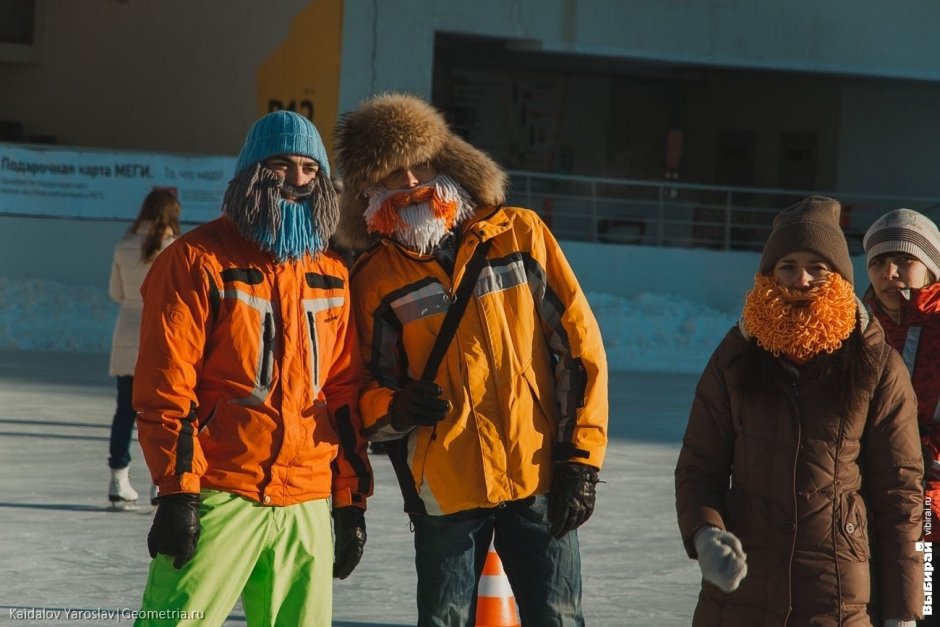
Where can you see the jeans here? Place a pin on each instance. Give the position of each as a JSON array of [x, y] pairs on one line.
[[123, 424], [544, 572]]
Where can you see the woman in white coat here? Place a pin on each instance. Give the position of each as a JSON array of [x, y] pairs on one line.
[[156, 226]]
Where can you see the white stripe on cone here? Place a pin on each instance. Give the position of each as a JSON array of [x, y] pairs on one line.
[[494, 586]]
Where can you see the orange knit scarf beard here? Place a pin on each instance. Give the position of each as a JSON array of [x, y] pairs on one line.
[[387, 219], [800, 323]]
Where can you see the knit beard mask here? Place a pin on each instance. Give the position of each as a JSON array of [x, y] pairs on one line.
[[800, 323], [286, 229], [418, 218]]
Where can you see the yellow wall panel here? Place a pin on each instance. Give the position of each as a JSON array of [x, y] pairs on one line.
[[303, 74]]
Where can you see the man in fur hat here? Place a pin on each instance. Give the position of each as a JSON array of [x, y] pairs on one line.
[[247, 391], [509, 434]]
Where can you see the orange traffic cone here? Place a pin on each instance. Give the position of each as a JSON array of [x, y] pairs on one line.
[[496, 606]]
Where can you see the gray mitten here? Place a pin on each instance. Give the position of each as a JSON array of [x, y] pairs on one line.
[[721, 557]]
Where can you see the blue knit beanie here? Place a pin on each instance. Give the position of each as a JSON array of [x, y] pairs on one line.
[[282, 133]]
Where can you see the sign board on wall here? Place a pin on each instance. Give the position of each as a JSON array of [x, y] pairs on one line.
[[73, 182]]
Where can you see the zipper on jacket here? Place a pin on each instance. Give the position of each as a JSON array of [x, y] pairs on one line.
[[267, 348], [314, 351], [795, 384], [837, 498], [500, 395]]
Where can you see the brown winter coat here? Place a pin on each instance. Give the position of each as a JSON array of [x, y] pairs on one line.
[[816, 491]]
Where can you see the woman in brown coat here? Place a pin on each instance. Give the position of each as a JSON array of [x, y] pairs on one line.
[[798, 487]]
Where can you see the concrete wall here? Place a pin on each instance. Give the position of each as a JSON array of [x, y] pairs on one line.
[[173, 75], [868, 37], [181, 75], [889, 140], [386, 44], [883, 144]]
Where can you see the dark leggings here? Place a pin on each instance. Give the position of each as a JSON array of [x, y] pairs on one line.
[[123, 424]]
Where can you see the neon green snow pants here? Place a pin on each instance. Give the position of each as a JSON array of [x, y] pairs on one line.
[[279, 559]]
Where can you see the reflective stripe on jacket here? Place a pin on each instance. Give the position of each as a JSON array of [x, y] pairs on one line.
[[526, 371], [249, 373]]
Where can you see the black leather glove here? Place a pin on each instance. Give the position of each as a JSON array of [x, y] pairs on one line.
[[349, 526], [417, 404], [571, 498], [175, 528]]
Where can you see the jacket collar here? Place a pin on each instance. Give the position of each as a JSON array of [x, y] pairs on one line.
[[485, 223], [924, 304]]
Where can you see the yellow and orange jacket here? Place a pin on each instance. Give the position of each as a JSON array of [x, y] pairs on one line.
[[249, 374], [526, 372]]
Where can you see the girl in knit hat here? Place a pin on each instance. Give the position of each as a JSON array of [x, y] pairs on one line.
[[800, 459], [902, 248]]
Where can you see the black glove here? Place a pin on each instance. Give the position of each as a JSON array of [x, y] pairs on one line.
[[417, 404], [175, 528], [349, 526], [571, 498]]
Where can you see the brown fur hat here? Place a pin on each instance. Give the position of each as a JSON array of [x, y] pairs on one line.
[[395, 130]]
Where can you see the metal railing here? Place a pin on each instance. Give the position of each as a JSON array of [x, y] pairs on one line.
[[670, 213]]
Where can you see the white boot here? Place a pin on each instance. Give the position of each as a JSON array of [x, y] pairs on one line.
[[120, 492]]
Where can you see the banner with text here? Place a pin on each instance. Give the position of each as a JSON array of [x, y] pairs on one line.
[[85, 183]]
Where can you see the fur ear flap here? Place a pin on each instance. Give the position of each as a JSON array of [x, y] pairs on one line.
[[476, 172], [352, 233]]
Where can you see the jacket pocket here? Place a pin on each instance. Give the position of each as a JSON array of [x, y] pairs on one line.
[[543, 413], [204, 422], [853, 526], [419, 442]]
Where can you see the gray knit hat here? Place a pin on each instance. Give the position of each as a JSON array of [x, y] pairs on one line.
[[811, 225], [905, 231]]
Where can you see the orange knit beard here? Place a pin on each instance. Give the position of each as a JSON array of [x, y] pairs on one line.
[[418, 218], [386, 219], [800, 323]]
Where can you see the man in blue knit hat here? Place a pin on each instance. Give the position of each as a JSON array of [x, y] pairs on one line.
[[246, 390]]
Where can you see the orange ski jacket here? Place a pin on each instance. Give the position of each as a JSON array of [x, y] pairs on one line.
[[249, 374], [526, 372]]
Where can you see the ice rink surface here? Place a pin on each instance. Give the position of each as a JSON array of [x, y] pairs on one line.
[[61, 550]]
